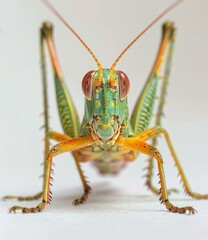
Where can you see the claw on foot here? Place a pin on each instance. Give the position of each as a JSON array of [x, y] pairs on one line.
[[36, 209], [83, 198], [182, 210]]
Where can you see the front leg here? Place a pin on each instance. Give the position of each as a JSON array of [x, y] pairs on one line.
[[139, 146], [66, 146], [87, 189]]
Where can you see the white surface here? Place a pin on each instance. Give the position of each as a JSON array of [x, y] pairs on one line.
[[118, 207]]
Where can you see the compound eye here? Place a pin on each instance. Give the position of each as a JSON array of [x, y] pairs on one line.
[[87, 84], [124, 84]]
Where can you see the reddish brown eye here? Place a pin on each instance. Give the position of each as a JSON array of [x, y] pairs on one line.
[[87, 84], [124, 84]]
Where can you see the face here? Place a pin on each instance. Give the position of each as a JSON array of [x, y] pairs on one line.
[[106, 102]]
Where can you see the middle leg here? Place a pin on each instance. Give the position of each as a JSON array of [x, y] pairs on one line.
[[153, 133]]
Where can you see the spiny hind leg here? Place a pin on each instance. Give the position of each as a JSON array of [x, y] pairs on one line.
[[164, 57], [59, 137], [87, 189], [70, 123], [29, 197], [37, 195], [135, 144], [46, 34], [62, 147], [46, 121], [154, 132]]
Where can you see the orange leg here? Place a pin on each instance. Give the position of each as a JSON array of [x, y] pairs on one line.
[[66, 146], [87, 189], [137, 145], [154, 132], [51, 135], [59, 137]]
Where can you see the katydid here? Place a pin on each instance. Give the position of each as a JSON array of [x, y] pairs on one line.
[[107, 135]]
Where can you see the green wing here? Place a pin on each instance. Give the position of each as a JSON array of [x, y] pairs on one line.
[[67, 111], [142, 112]]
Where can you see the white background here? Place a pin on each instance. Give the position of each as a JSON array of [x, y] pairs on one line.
[[118, 207]]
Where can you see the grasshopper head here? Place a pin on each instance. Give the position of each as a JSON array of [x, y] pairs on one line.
[[106, 107], [106, 90]]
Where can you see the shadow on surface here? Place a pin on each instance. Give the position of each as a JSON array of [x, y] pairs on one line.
[[108, 198], [105, 198]]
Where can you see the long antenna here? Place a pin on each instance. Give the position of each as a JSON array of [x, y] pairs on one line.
[[138, 36], [58, 15]]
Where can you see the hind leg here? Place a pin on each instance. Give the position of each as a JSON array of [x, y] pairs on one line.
[[143, 109], [69, 121]]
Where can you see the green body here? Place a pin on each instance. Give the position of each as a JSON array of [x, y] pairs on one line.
[[107, 135], [107, 116], [104, 107]]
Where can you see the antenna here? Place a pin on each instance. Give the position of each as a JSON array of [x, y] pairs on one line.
[[172, 6], [58, 15]]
